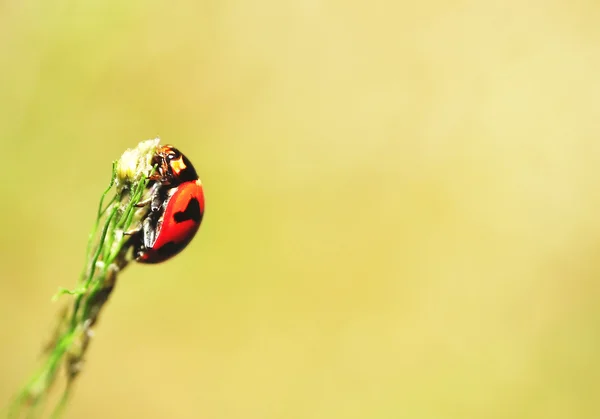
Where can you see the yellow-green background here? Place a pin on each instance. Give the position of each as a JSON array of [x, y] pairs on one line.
[[403, 204]]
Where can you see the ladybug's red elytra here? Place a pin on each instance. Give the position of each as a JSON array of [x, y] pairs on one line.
[[176, 208]]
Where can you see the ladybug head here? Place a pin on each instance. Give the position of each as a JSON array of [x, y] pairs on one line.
[[173, 166]]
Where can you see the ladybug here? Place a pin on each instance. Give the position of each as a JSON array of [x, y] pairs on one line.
[[176, 208]]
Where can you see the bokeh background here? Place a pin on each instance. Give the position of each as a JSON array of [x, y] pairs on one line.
[[403, 211]]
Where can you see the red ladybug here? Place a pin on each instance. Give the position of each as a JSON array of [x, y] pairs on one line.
[[176, 208]]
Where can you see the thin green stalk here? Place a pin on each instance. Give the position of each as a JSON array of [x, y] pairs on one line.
[[108, 252]]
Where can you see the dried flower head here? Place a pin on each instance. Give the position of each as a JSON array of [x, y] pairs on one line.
[[136, 163]]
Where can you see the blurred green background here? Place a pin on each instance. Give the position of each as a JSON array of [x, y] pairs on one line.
[[403, 212]]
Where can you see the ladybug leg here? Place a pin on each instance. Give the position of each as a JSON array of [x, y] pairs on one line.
[[148, 232], [154, 191], [133, 231], [147, 228], [143, 237], [162, 176], [143, 203], [156, 201]]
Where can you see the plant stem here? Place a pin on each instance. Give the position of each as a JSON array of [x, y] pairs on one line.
[[107, 254]]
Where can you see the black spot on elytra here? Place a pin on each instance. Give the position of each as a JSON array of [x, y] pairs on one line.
[[171, 248], [192, 212]]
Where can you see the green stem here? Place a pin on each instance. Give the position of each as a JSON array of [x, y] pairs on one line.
[[108, 251]]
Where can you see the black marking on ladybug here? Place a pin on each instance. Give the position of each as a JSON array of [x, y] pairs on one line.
[[192, 212], [171, 248], [189, 173]]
